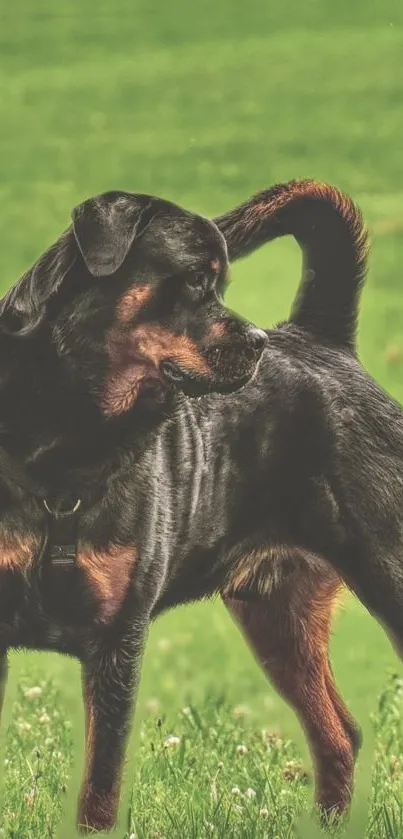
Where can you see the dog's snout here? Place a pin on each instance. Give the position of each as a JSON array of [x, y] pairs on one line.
[[257, 338]]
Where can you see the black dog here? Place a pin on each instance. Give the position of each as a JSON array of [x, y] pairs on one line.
[[156, 449]]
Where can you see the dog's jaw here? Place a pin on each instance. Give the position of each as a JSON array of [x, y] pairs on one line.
[[124, 388]]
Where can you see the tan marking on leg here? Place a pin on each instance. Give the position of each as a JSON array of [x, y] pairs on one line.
[[289, 633], [17, 552], [253, 570], [108, 573], [97, 811]]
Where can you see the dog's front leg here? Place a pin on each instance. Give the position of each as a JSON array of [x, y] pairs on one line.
[[110, 679]]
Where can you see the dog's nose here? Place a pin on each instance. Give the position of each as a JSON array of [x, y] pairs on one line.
[[257, 338]]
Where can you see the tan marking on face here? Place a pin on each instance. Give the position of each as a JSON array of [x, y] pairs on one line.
[[108, 573], [122, 391], [17, 552], [157, 344], [132, 301], [136, 356], [216, 265]]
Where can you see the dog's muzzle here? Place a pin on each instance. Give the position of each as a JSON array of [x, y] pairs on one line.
[[236, 366]]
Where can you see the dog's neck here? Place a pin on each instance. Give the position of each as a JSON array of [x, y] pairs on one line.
[[50, 426], [52, 430]]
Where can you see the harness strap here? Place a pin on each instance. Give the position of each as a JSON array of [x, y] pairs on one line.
[[62, 517], [62, 534]]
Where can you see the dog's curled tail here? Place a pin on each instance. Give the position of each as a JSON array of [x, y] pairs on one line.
[[330, 230]]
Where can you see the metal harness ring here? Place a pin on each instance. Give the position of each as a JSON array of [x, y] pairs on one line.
[[63, 513]]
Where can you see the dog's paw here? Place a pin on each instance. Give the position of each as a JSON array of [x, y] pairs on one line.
[[97, 811]]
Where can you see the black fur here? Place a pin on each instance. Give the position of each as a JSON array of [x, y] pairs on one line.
[[208, 456], [330, 230]]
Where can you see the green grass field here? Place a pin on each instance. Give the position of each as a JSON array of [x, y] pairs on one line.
[[205, 104]]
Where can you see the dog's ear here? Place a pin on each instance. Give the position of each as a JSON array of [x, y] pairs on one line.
[[106, 226], [24, 307]]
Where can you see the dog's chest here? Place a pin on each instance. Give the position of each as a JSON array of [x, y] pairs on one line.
[[51, 606], [184, 483]]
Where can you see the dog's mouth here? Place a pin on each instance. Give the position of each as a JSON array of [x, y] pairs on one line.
[[226, 366], [138, 373], [196, 385], [147, 384]]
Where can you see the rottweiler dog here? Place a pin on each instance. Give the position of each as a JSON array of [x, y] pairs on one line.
[[156, 448]]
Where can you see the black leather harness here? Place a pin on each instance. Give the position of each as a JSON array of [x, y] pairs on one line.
[[62, 529], [62, 515]]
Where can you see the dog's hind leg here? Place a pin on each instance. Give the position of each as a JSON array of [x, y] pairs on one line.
[[110, 679], [376, 577], [289, 633]]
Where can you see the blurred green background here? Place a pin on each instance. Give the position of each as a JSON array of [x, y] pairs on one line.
[[205, 104]]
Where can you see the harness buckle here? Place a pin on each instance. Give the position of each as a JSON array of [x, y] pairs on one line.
[[62, 555], [62, 535]]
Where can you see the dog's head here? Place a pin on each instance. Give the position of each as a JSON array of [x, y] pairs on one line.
[[132, 298]]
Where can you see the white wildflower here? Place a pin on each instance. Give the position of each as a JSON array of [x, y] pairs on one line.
[[171, 741], [32, 693]]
